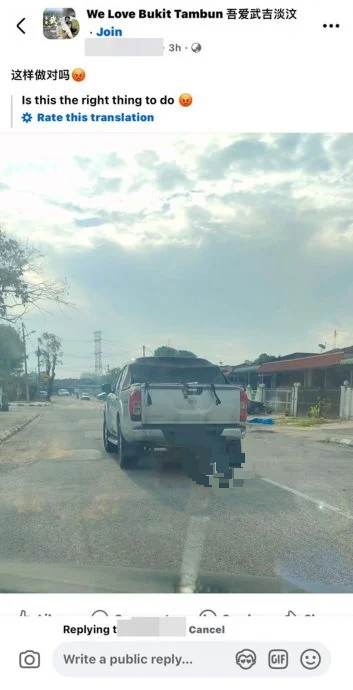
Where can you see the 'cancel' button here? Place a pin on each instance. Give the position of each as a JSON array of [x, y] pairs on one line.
[[193, 629]]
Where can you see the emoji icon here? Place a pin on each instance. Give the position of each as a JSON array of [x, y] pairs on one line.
[[78, 74], [246, 658], [185, 100], [310, 659], [207, 612]]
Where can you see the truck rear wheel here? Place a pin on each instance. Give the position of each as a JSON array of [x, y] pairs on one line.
[[127, 453]]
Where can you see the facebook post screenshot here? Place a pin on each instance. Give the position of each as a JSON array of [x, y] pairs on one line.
[[176, 344]]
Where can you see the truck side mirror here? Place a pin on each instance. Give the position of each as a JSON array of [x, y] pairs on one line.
[[106, 388]]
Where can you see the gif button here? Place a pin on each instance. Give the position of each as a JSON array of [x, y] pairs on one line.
[[278, 658]]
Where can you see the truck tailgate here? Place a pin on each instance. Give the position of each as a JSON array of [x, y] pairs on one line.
[[192, 403]]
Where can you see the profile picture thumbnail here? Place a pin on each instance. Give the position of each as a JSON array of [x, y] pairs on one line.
[[60, 23]]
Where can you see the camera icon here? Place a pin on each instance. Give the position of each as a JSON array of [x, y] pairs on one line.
[[29, 659]]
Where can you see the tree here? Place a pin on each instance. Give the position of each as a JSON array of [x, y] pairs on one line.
[[186, 353], [111, 376], [50, 355], [89, 375], [264, 358], [114, 374], [11, 350], [21, 286], [166, 351]]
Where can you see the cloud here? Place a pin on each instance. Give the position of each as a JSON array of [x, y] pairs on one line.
[[104, 185], [146, 159], [66, 205], [83, 162], [169, 176], [112, 160], [226, 245]]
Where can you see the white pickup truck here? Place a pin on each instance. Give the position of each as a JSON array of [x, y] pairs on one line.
[[180, 403]]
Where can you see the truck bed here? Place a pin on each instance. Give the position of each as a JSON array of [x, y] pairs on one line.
[[190, 404]]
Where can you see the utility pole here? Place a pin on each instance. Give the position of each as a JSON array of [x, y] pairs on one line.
[[335, 338], [143, 350], [38, 365], [98, 353], [25, 359]]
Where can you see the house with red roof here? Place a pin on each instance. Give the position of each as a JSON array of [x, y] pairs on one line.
[[315, 371], [319, 375]]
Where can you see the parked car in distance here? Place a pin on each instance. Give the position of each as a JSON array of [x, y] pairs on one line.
[[85, 396], [63, 391], [256, 407], [43, 394]]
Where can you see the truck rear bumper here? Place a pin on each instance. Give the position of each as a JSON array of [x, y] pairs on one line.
[[173, 434], [234, 433], [152, 436]]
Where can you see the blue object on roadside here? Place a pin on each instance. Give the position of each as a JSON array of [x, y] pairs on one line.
[[258, 420]]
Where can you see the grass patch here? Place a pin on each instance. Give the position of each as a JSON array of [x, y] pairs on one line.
[[302, 421]]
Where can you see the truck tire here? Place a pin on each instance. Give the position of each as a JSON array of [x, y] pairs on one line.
[[108, 446], [127, 452]]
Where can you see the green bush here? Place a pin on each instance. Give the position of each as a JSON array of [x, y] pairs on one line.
[[314, 411]]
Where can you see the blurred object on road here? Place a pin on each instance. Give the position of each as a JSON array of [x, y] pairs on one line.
[[259, 420]]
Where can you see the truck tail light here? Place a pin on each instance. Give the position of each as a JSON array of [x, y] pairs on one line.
[[243, 406], [135, 405]]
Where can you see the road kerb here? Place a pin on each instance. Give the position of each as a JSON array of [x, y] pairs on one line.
[[341, 441], [15, 429], [30, 404]]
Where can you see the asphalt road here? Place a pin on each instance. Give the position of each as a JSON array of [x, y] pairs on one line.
[[64, 500]]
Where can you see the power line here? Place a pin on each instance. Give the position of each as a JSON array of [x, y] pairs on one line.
[[115, 342]]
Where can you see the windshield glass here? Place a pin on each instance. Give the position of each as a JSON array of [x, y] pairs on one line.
[[173, 373]]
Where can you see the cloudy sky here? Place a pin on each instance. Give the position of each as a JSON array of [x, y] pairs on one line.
[[229, 246]]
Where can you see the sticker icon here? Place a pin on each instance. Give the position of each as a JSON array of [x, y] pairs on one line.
[[246, 659]]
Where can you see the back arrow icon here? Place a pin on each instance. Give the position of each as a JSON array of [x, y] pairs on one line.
[[19, 25]]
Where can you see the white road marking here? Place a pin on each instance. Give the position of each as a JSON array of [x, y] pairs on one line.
[[192, 553], [316, 501]]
